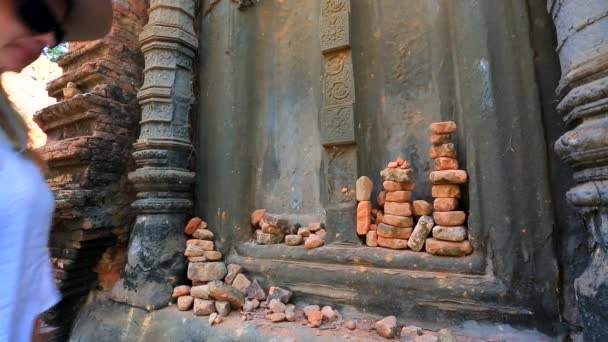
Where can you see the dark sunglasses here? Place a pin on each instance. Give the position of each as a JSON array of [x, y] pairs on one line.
[[38, 17]]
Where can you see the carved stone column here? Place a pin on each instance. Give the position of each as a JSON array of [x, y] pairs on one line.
[[163, 154], [582, 27], [337, 123]]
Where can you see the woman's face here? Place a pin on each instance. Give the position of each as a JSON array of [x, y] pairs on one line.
[[19, 45]]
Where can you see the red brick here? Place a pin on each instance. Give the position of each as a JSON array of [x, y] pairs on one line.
[[448, 248], [445, 127], [400, 161], [364, 215], [399, 209], [392, 165], [449, 218], [421, 208], [440, 139], [182, 290], [398, 221], [445, 204], [443, 163], [192, 225], [256, 216], [392, 243], [391, 186], [445, 191], [381, 198], [204, 244], [448, 177], [446, 150], [373, 227], [388, 231], [407, 186], [398, 196], [371, 239], [374, 212], [379, 217]]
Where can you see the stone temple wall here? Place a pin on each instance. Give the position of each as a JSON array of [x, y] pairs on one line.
[[90, 132]]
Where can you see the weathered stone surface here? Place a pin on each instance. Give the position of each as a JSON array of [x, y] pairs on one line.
[[364, 188], [392, 243], [397, 221], [448, 248], [256, 303], [387, 327], [411, 330], [255, 291], [294, 240], [328, 313], [247, 307], [194, 251], [449, 218], [455, 234], [200, 291], [222, 307], [322, 234], [399, 209], [445, 204], [270, 229], [280, 294], [444, 127], [351, 325], [276, 306], [398, 196], [206, 271], [277, 317], [448, 177], [203, 307], [439, 139], [371, 239], [256, 216], [233, 271], [313, 241], [381, 198], [200, 258], [388, 231], [315, 318], [364, 216], [443, 163], [203, 234], [241, 283], [398, 175], [204, 244], [213, 255], [316, 226], [274, 220], [445, 191], [310, 308], [426, 338], [182, 290], [392, 164], [222, 291], [422, 208], [212, 318], [184, 303], [290, 313], [268, 239], [446, 150], [420, 233], [304, 231], [192, 225]]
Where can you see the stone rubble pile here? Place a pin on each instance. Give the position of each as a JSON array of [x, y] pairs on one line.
[[388, 328], [271, 229], [399, 223], [450, 233]]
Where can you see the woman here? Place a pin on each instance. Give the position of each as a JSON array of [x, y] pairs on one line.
[[27, 286]]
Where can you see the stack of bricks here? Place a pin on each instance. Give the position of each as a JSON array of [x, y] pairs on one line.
[[271, 227], [397, 220], [449, 233], [90, 133], [216, 288], [363, 190]]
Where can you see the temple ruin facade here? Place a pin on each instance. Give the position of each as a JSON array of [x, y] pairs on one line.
[[218, 108]]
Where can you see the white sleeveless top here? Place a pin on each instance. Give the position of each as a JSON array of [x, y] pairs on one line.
[[27, 283]]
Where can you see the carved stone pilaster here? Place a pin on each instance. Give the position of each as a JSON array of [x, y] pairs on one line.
[[337, 122], [162, 154], [583, 50]]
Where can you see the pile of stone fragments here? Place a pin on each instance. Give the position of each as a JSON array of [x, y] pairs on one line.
[[271, 229], [399, 223]]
